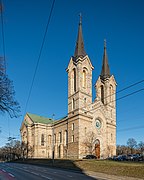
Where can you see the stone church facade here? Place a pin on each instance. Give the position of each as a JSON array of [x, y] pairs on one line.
[[89, 127]]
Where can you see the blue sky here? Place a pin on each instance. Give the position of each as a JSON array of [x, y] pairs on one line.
[[121, 22]]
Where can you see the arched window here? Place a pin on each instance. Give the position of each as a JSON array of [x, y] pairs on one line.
[[72, 126], [42, 140], [73, 104], [49, 139], [85, 100], [60, 137], [84, 78], [111, 93], [74, 85], [65, 138], [73, 81], [102, 94], [72, 138]]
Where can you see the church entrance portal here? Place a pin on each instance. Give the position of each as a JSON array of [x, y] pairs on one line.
[[97, 149]]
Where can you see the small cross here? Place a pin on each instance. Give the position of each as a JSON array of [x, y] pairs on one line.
[[80, 15], [104, 43]]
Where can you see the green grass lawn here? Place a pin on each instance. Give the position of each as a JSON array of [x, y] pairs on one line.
[[130, 169]]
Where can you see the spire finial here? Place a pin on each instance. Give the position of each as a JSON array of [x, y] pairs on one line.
[[104, 43], [80, 15]]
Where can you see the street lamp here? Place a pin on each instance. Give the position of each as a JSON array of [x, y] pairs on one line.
[[53, 139]]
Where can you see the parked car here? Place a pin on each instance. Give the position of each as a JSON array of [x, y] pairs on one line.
[[135, 157], [121, 158], [114, 158], [129, 157], [89, 157], [141, 158]]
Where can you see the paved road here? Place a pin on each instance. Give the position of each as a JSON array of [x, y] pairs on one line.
[[16, 171]]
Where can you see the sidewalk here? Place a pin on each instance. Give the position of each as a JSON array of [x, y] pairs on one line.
[[103, 176]]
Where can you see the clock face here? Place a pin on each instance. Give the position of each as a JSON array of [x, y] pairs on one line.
[[98, 124]]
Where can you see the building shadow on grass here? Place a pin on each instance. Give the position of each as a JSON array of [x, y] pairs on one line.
[[71, 166]]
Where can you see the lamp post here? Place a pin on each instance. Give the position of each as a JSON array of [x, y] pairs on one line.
[[53, 139]]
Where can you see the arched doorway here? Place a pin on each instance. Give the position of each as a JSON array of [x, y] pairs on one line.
[[97, 148]]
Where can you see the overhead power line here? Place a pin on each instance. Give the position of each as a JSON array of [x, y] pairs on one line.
[[39, 56], [132, 128], [121, 90], [134, 84], [116, 100], [3, 38]]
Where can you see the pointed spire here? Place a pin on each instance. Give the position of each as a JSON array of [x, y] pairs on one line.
[[105, 72], [79, 50]]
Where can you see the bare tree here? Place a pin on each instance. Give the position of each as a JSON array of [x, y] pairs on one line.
[[26, 150], [132, 144], [89, 142], [11, 151], [123, 149], [141, 147], [7, 94]]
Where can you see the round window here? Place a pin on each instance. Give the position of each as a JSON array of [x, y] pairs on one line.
[[98, 124]]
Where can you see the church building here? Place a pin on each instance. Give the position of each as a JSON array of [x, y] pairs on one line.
[[89, 127]]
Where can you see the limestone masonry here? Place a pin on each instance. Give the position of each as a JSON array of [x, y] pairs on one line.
[[89, 127]]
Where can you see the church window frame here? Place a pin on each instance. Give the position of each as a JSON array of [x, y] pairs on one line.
[[74, 80], [73, 104], [72, 126], [72, 138], [54, 138], [111, 93], [84, 75], [60, 137], [49, 139], [85, 101], [65, 137], [102, 93], [42, 140], [98, 123]]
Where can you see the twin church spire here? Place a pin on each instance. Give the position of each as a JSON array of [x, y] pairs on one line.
[[80, 52], [105, 72]]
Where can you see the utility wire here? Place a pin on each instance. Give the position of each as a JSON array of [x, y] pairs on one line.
[[39, 56], [3, 39], [132, 128], [117, 99], [125, 88], [129, 94], [114, 100], [127, 129]]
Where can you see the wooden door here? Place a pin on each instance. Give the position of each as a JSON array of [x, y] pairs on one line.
[[97, 149]]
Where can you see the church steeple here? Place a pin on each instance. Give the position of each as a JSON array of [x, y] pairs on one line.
[[105, 72], [79, 50]]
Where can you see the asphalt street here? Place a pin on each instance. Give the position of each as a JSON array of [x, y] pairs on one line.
[[11, 171]]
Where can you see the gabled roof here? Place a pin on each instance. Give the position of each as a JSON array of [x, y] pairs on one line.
[[39, 119]]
